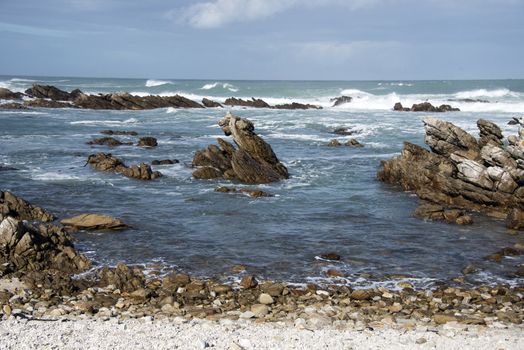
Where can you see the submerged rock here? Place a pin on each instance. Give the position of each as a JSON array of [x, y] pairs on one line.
[[440, 213], [108, 141], [94, 222], [249, 191], [210, 104], [106, 162], [165, 162], [460, 173], [425, 107], [147, 141], [119, 132], [255, 103], [252, 162], [341, 100], [18, 208]]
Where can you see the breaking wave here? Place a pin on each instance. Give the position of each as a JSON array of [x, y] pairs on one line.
[[153, 82], [225, 86]]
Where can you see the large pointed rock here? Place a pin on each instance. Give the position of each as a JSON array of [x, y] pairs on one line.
[[445, 138]]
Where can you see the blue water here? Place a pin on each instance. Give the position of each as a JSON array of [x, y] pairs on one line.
[[331, 203]]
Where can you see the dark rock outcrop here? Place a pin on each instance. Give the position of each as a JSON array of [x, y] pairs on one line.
[[343, 131], [460, 173], [341, 100], [106, 162], [249, 191], [108, 141], [125, 101], [398, 107], [440, 213], [147, 141], [18, 208], [425, 107], [7, 168], [28, 248], [119, 132], [489, 133], [165, 161], [252, 162], [44, 103], [349, 143], [94, 222], [6, 94], [210, 103], [50, 92], [296, 105], [255, 103], [12, 105]]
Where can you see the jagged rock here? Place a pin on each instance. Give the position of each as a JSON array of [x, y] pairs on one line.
[[124, 101], [118, 132], [94, 222], [252, 162], [343, 131], [296, 105], [249, 191], [165, 162], [489, 133], [18, 208], [6, 94], [37, 248], [108, 141], [341, 100], [445, 138], [123, 277], [398, 107], [440, 213], [428, 107], [210, 103], [255, 103], [458, 174], [48, 91], [334, 143], [330, 256], [147, 141], [43, 103], [106, 162], [353, 143], [12, 105]]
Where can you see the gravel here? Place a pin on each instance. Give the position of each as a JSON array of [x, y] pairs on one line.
[[90, 333]]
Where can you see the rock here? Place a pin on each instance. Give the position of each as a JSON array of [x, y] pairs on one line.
[[122, 277], [353, 143], [108, 141], [421, 340], [106, 162], [445, 138], [43, 103], [48, 91], [252, 162], [12, 105], [498, 256], [255, 103], [38, 248], [469, 269], [7, 168], [489, 133], [334, 143], [330, 256], [515, 220], [260, 310], [341, 100], [165, 162], [343, 131], [443, 318], [6, 94], [265, 299], [360, 294], [428, 107], [147, 141], [296, 105], [249, 191], [119, 132], [18, 208], [248, 282], [94, 222], [437, 212], [398, 107], [7, 310], [334, 273], [210, 104], [126, 101]]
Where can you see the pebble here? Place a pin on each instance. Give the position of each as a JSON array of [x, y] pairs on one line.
[[260, 310], [247, 315], [265, 299], [421, 340]]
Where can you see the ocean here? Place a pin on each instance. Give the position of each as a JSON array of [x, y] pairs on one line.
[[331, 203]]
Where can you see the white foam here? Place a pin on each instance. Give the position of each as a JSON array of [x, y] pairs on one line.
[[105, 122], [171, 110], [153, 82], [486, 93], [226, 86]]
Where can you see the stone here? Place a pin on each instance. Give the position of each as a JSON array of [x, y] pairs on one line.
[[337, 101], [6, 94], [108, 141], [119, 132], [360, 294], [106, 162], [248, 282], [443, 318], [147, 141], [445, 138], [256, 103], [334, 143], [334, 273], [265, 299], [48, 91], [515, 220], [260, 310], [165, 162], [343, 131], [94, 222], [330, 256], [353, 143], [296, 105], [18, 208], [210, 104]]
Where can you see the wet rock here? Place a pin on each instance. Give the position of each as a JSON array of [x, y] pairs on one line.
[[106, 162], [360, 294], [38, 248], [337, 101], [296, 105], [330, 256], [210, 104], [18, 208], [515, 220], [147, 141], [6, 94], [469, 269], [428, 107], [12, 105], [94, 222], [119, 132], [7, 168], [334, 143], [43, 103], [498, 256], [108, 141], [398, 107], [440, 213], [248, 282], [48, 91], [126, 101], [343, 131], [489, 133], [249, 191], [165, 162], [334, 273], [255, 103], [353, 143], [252, 162]]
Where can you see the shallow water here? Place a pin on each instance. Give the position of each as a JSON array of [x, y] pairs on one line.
[[332, 202]]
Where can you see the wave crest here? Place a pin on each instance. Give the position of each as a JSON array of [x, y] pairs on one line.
[[226, 86], [153, 82]]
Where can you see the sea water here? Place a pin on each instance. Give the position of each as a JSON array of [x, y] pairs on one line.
[[331, 203]]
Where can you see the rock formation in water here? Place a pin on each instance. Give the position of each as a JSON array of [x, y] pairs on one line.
[[94, 222], [106, 162], [337, 101], [108, 141], [424, 107], [462, 172], [253, 161], [17, 208], [6, 94]]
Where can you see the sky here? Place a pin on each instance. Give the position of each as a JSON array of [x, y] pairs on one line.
[[264, 39]]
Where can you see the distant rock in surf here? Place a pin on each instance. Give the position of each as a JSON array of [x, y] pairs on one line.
[[210, 103], [252, 162], [424, 107], [249, 191], [348, 143], [255, 103], [6, 94], [343, 131], [341, 100], [124, 101], [461, 172], [296, 105], [106, 162], [118, 132], [44, 103], [147, 141], [12, 105], [108, 141], [94, 222], [165, 162], [51, 92]]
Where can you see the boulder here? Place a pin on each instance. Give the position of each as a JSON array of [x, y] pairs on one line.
[[337, 101], [210, 104], [49, 92], [6, 94], [94, 222], [147, 141], [106, 162], [489, 133], [428, 107], [334, 143], [255, 103], [108, 141], [126, 101], [253, 161], [398, 107], [36, 248], [18, 208]]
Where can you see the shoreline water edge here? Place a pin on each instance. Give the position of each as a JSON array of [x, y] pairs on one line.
[[460, 179]]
